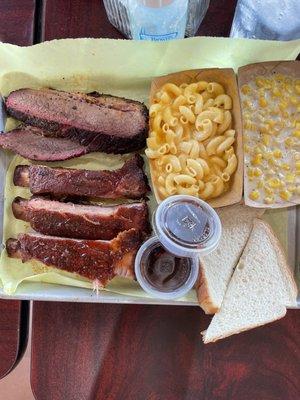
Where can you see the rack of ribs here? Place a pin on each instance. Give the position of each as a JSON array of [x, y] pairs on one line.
[[97, 260], [127, 182], [81, 221]]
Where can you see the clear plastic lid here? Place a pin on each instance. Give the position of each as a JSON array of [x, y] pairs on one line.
[[187, 226]]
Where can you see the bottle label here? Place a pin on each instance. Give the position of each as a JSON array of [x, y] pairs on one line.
[[157, 38]]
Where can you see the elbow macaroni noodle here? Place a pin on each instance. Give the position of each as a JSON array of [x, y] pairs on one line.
[[191, 140]]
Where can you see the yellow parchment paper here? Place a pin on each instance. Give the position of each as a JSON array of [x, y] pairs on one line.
[[117, 67]]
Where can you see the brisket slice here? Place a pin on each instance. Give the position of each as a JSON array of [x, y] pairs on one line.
[[34, 144], [128, 181], [70, 220], [93, 259], [103, 123]]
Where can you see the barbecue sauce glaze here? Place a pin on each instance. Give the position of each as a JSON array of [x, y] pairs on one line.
[[164, 270]]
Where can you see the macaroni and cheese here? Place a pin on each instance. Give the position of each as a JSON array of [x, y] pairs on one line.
[[191, 140]]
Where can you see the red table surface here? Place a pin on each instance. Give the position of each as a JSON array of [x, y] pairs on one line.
[[120, 352], [135, 352]]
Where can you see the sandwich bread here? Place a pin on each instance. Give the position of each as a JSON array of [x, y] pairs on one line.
[[260, 290], [217, 267]]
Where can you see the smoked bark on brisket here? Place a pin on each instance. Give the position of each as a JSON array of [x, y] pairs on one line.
[[78, 221], [100, 123]]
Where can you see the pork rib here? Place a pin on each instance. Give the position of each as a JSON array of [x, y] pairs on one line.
[[103, 123], [70, 220], [34, 144], [93, 259], [128, 181]]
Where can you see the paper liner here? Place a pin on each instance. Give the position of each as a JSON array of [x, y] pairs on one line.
[[122, 68]]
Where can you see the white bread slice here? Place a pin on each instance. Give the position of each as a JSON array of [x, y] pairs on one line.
[[261, 287], [217, 267]]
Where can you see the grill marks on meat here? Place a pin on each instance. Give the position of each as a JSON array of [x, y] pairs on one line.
[[81, 221], [34, 144], [92, 259], [128, 181], [99, 122]]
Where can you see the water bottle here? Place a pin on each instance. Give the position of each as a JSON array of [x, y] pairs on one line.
[[157, 20], [118, 15]]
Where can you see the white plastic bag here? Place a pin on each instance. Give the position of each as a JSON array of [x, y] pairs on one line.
[[269, 19]]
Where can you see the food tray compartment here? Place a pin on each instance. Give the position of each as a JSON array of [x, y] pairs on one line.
[[247, 75], [227, 78]]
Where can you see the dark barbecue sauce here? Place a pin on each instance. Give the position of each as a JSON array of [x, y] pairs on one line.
[[165, 271]]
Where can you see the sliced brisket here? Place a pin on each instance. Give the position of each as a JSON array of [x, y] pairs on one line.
[[33, 143], [70, 220], [92, 259], [128, 181], [103, 123]]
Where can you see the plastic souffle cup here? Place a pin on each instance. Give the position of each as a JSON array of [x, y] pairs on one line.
[[186, 228]]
